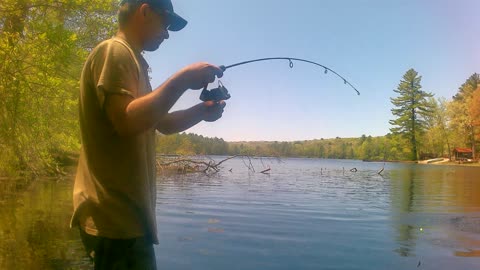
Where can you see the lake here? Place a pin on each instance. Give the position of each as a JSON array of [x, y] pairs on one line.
[[305, 214]]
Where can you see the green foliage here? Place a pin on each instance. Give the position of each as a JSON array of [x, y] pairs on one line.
[[411, 109], [367, 148], [43, 45], [437, 138], [190, 144]]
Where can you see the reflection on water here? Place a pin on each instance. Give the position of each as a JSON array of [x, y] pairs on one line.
[[34, 232], [442, 206], [307, 214]]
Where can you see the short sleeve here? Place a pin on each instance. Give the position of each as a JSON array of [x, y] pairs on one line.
[[114, 71]]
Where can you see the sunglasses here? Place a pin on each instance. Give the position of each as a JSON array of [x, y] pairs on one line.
[[165, 14]]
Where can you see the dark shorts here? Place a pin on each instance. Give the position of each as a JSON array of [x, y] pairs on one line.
[[119, 254]]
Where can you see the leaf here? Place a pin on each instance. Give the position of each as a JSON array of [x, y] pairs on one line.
[[213, 221], [215, 230]]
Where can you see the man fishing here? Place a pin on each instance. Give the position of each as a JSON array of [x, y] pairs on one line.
[[115, 193]]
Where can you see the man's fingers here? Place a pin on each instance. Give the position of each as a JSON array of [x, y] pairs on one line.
[[214, 110], [210, 103], [211, 78], [222, 104], [217, 71]]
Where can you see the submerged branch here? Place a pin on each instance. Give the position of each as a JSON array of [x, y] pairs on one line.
[[266, 171], [193, 165]]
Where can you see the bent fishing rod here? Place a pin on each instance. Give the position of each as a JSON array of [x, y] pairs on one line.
[[221, 92]]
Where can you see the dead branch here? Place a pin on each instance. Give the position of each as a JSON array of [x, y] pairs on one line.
[[250, 165], [183, 164], [218, 164], [383, 168], [184, 160], [266, 171]]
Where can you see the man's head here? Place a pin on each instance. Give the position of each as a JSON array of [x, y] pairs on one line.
[[150, 19]]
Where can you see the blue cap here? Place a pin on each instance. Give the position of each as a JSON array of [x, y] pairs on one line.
[[175, 21]]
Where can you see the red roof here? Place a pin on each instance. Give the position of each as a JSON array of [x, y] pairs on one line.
[[462, 150]]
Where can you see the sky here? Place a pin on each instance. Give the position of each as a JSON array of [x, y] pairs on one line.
[[372, 43]]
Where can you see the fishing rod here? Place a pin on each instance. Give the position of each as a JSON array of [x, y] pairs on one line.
[[221, 92]]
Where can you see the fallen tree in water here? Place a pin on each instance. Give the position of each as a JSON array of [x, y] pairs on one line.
[[203, 164]]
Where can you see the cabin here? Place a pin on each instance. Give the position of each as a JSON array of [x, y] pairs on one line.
[[462, 154]]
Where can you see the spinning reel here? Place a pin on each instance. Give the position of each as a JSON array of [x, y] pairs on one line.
[[215, 94]]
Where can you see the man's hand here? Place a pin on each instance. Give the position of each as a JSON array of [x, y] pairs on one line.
[[213, 110], [196, 76], [182, 120]]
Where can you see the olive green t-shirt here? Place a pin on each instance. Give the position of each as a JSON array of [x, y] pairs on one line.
[[114, 193]]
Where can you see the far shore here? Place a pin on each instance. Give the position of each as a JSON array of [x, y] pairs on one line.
[[448, 162], [454, 163]]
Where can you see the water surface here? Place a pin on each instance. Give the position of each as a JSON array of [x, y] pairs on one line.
[[306, 214], [317, 214]]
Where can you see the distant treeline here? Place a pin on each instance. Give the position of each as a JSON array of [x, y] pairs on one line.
[[366, 147], [423, 127], [190, 144]]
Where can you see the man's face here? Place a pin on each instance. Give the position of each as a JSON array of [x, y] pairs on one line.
[[154, 29]]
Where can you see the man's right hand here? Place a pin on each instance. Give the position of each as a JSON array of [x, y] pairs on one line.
[[198, 75]]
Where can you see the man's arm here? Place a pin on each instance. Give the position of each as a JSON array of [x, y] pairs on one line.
[[133, 116], [182, 120]]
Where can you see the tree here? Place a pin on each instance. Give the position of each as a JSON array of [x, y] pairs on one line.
[[437, 138], [461, 111], [411, 108], [474, 107], [474, 111], [467, 88], [438, 130], [43, 45]]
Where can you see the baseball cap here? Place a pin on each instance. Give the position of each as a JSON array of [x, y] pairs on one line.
[[176, 22]]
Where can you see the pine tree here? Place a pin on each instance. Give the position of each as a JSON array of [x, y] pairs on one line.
[[411, 108], [466, 90]]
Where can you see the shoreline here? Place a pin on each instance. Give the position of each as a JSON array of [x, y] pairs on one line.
[[448, 162], [453, 163]]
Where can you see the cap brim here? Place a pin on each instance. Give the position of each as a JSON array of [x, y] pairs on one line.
[[177, 23]]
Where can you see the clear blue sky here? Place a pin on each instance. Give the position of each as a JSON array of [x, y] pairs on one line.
[[370, 42]]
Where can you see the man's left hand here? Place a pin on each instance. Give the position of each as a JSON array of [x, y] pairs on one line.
[[213, 110]]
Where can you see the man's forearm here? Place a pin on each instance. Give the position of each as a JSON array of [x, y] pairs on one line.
[[144, 113], [131, 117], [179, 121]]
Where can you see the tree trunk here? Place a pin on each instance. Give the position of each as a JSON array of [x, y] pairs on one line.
[[413, 138], [473, 142], [449, 151]]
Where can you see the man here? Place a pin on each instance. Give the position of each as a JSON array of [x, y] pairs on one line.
[[114, 193]]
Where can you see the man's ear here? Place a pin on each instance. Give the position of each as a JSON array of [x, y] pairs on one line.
[[144, 9]]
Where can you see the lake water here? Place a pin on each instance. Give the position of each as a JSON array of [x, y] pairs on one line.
[[306, 214]]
